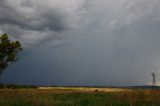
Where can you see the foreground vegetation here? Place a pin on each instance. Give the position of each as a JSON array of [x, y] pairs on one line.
[[73, 97]]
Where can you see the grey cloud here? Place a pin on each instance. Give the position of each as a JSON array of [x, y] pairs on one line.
[[33, 19], [24, 19], [116, 14]]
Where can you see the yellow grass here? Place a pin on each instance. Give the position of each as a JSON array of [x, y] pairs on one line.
[[86, 89]]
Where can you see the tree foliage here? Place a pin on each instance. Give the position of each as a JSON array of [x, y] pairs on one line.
[[8, 51]]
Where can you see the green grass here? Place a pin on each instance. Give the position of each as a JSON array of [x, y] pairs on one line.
[[35, 97]]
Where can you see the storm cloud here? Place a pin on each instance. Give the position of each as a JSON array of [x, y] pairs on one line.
[[33, 21], [81, 42]]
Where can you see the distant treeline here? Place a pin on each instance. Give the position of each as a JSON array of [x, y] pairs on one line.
[[15, 86]]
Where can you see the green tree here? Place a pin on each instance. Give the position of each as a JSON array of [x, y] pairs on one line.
[[8, 51]]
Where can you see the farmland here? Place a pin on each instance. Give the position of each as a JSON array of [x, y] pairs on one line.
[[64, 96]]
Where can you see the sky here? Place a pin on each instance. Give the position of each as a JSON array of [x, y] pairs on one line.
[[83, 42]]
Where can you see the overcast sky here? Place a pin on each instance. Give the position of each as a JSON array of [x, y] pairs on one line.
[[83, 42]]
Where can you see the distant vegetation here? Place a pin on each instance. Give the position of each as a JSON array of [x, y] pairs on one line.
[[15, 86]]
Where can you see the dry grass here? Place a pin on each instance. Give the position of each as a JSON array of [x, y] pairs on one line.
[[61, 96], [86, 89]]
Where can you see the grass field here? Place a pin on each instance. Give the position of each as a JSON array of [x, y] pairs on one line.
[[61, 96]]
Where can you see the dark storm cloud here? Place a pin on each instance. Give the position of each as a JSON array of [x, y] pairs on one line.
[[51, 19], [36, 19], [103, 42]]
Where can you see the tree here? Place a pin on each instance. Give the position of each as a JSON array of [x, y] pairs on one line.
[[8, 51]]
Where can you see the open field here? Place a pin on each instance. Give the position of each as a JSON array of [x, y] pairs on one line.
[[62, 96]]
